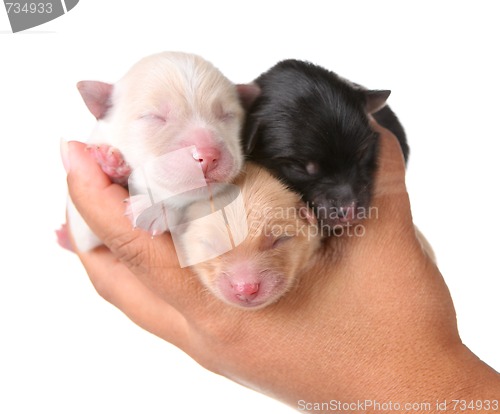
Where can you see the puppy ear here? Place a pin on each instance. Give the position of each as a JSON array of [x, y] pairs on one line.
[[248, 93], [375, 100], [96, 96]]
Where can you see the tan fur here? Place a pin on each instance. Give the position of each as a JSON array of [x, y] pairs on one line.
[[272, 211]]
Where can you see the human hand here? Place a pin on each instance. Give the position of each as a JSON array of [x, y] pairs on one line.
[[372, 320]]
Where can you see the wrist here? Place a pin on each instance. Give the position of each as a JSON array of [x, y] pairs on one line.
[[453, 380]]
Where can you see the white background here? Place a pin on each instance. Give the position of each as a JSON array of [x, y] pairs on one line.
[[65, 350]]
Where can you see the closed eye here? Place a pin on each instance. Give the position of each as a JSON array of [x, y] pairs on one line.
[[227, 116], [280, 240], [312, 168], [309, 168], [153, 117]]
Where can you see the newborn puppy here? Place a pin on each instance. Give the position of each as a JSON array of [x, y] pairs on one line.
[[311, 128], [166, 102], [282, 238]]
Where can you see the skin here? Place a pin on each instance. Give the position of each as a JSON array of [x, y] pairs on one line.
[[373, 319]]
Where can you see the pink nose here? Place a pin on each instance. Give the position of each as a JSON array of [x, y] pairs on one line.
[[245, 291], [207, 157]]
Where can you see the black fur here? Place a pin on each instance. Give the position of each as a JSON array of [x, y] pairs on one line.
[[310, 127]]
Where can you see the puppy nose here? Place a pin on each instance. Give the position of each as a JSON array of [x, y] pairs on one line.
[[244, 291], [207, 157]]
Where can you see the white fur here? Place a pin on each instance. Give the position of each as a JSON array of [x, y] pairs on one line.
[[166, 102]]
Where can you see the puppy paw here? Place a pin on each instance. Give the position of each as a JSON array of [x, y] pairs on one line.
[[147, 216], [63, 238], [112, 162]]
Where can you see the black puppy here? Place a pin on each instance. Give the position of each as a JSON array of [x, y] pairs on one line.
[[311, 128]]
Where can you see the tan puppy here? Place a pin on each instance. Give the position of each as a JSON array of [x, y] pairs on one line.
[[166, 102], [282, 238]]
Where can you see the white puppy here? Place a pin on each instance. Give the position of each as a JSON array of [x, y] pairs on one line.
[[166, 102]]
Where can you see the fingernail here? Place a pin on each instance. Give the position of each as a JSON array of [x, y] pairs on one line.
[[63, 146]]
